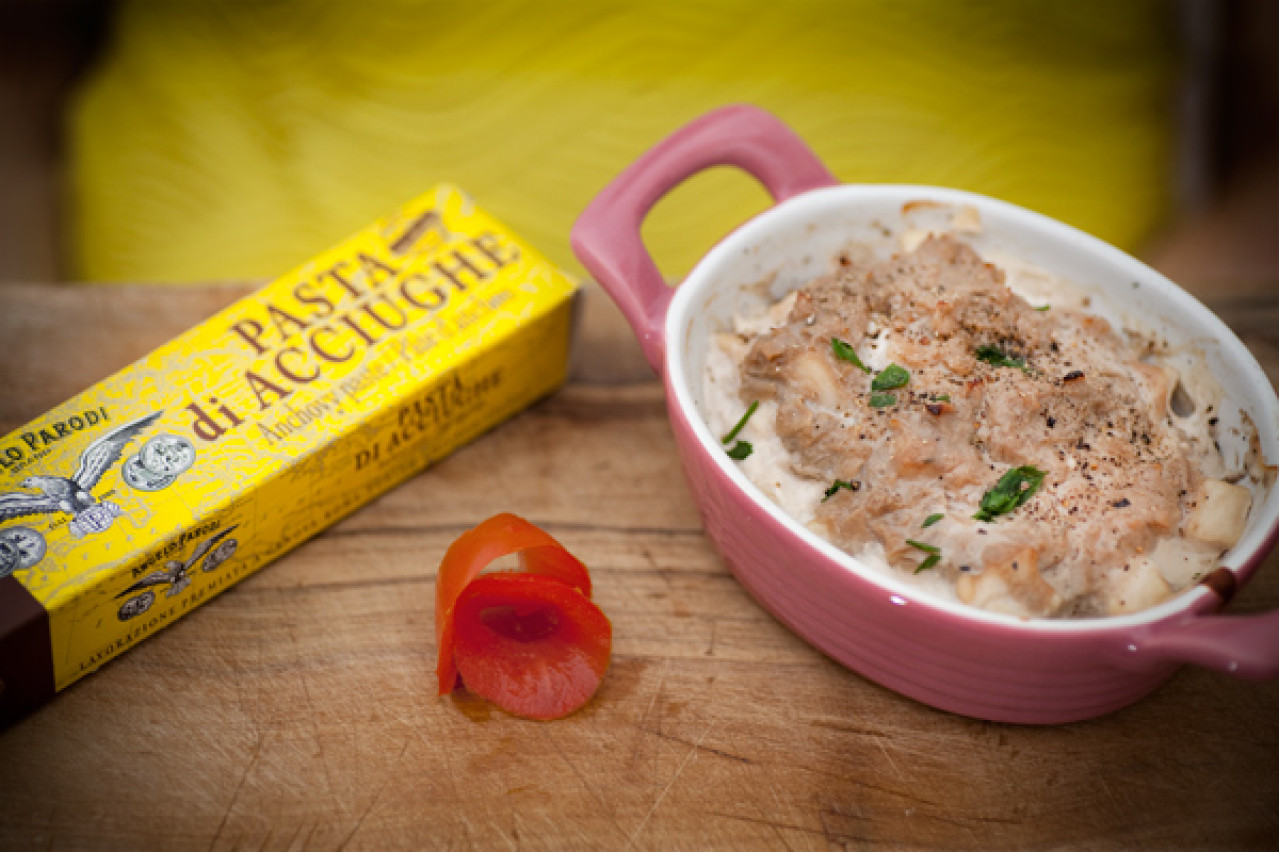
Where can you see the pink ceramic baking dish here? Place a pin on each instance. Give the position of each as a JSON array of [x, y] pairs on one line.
[[940, 652]]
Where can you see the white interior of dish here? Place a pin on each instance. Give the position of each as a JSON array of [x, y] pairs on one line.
[[796, 241]]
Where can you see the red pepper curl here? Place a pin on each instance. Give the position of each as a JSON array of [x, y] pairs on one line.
[[530, 641]]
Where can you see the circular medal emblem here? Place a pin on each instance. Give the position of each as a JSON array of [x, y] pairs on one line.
[[167, 455], [28, 543], [139, 476], [220, 555], [136, 605]]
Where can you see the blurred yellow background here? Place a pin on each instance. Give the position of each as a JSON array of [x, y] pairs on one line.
[[233, 139]]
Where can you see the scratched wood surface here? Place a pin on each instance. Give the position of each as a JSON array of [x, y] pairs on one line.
[[297, 710]]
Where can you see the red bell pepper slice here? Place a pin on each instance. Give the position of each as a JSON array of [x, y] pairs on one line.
[[531, 645], [529, 641]]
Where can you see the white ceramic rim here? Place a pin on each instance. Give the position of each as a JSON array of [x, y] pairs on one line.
[[816, 204]]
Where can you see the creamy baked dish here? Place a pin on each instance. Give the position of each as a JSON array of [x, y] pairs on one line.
[[1025, 458]]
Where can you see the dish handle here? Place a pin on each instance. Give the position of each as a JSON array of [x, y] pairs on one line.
[[606, 236], [1244, 646]]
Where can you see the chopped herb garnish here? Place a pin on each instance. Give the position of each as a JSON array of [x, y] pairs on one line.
[[1012, 490], [891, 377], [942, 398], [1043, 308], [740, 451], [737, 428], [837, 485], [995, 356], [845, 352], [928, 563], [933, 519], [932, 550], [879, 401]]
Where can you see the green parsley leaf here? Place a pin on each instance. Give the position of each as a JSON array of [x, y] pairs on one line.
[[942, 398], [930, 549], [1011, 491], [891, 377], [737, 428], [836, 486], [1043, 308], [933, 519], [995, 356], [928, 563], [879, 401], [740, 451], [845, 352]]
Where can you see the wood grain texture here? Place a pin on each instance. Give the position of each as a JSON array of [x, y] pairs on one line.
[[297, 709]]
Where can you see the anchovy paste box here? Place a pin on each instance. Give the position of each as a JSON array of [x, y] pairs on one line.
[[165, 484]]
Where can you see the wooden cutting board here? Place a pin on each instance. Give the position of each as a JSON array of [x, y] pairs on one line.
[[298, 710]]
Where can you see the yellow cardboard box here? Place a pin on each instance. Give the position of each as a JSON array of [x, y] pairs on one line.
[[166, 483]]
